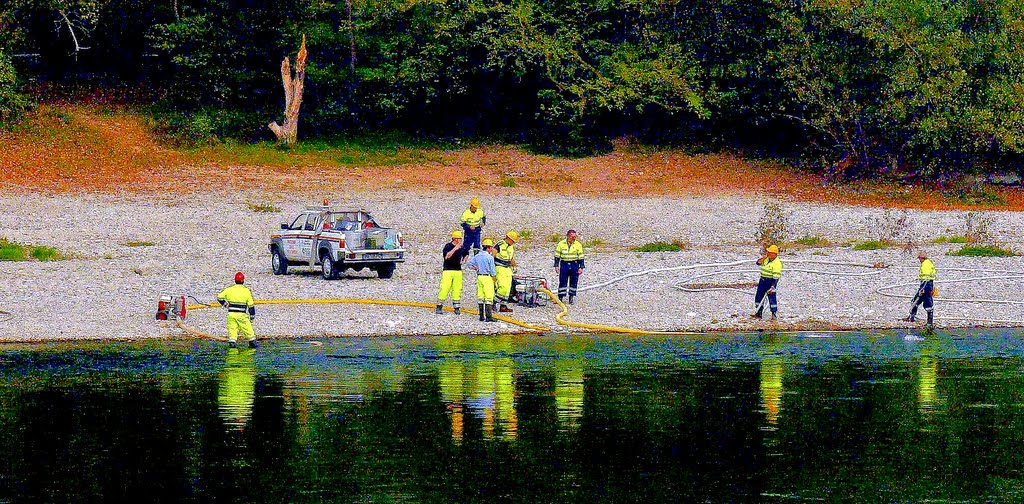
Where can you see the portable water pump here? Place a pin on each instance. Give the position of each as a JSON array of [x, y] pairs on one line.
[[528, 292], [171, 307]]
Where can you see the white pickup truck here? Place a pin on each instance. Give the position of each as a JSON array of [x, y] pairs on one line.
[[336, 239]]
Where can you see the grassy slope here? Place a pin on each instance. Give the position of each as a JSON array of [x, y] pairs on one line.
[[85, 149]]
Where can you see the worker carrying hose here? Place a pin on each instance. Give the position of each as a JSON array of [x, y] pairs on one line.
[[771, 272], [241, 311], [483, 264], [473, 220], [505, 263], [926, 291], [453, 257], [568, 264]]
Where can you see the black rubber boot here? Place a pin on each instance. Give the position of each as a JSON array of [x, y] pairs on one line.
[[481, 307], [458, 308], [438, 310], [232, 344], [571, 299], [488, 317], [758, 313], [252, 344], [930, 317], [774, 316]]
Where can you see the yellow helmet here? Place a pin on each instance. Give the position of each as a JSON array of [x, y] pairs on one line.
[[774, 249], [512, 235], [487, 242], [456, 234], [475, 202]]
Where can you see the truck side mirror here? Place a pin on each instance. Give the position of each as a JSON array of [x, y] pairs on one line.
[[284, 226]]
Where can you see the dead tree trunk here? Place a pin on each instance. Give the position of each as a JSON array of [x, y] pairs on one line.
[[292, 97]]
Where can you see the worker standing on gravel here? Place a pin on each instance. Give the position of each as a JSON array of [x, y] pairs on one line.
[[505, 263], [473, 220], [925, 292], [241, 311], [453, 257], [483, 264], [771, 272], [568, 264]]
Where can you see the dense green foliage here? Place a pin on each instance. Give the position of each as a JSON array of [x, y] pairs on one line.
[[897, 88]]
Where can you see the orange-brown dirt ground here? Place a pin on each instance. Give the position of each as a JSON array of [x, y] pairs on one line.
[[81, 149]]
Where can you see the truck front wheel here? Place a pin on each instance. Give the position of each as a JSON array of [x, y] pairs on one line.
[[278, 263]]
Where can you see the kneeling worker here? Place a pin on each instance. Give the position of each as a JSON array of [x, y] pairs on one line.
[[453, 257], [483, 264], [771, 272], [925, 291], [241, 311], [505, 262]]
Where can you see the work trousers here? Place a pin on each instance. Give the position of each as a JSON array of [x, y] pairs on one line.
[[451, 283], [568, 278], [762, 289], [239, 323], [924, 296], [485, 289], [472, 237], [503, 283]]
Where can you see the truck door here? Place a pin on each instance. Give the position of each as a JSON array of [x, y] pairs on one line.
[[292, 238], [304, 240]]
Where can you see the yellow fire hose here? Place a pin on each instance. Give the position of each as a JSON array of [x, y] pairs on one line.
[[329, 301]]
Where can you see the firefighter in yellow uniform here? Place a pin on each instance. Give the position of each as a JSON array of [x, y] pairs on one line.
[[568, 264], [473, 220], [771, 272], [453, 257], [483, 264], [241, 311], [926, 291], [505, 263]]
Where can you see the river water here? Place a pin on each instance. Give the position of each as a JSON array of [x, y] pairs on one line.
[[727, 418]]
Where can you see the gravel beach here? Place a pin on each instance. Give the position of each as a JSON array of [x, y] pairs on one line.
[[108, 289]]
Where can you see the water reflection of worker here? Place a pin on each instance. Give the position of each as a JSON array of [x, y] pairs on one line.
[[569, 391], [773, 367], [453, 394], [927, 378], [237, 389], [771, 388], [493, 397]]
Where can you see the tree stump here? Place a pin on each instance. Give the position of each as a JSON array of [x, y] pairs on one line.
[[292, 97]]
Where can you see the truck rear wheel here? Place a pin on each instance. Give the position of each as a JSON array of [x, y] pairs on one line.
[[278, 263], [328, 268], [386, 270]]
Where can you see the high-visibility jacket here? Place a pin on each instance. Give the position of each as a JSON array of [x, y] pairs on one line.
[[927, 270], [506, 252], [771, 268], [474, 219], [238, 299], [564, 252]]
